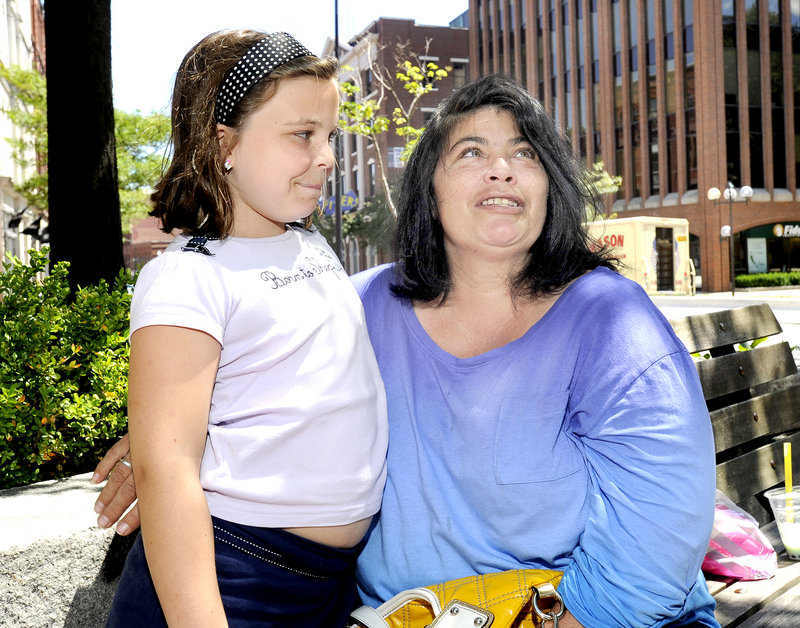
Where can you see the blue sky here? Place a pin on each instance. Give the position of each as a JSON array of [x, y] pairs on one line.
[[150, 37]]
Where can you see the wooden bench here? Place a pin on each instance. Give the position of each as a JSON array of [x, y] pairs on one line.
[[753, 397]]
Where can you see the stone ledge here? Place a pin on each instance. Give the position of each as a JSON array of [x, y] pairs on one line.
[[57, 568], [57, 582]]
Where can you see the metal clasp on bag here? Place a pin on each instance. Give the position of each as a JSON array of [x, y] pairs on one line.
[[458, 614], [547, 590]]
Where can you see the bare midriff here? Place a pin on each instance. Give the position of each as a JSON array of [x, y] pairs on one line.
[[343, 536]]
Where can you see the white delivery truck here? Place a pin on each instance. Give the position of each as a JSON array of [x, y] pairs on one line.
[[654, 251]]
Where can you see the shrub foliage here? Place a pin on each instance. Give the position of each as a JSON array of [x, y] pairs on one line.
[[768, 280], [63, 370]]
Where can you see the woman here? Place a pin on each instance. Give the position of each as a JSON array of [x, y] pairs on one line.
[[542, 412]]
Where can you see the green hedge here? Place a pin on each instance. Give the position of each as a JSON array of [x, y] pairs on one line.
[[768, 280], [63, 371]]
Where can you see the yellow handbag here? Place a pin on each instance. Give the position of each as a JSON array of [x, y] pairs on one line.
[[520, 598]]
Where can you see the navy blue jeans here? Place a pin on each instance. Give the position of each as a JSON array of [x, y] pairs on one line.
[[267, 577]]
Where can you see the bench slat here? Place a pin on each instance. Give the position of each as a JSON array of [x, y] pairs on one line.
[[781, 612], [728, 374], [764, 415], [757, 470], [702, 332]]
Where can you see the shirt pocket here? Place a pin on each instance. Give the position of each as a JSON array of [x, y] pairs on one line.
[[530, 444]]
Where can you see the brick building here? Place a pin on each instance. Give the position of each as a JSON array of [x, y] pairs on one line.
[[379, 45], [677, 96], [145, 241]]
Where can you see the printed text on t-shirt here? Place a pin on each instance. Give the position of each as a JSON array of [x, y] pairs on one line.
[[301, 273]]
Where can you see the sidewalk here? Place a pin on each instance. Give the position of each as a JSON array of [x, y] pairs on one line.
[[746, 295], [52, 509], [52, 556]]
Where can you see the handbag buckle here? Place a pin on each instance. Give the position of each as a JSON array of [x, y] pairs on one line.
[[458, 614], [543, 591]]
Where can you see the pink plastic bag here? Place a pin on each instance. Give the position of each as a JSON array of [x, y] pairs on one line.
[[738, 549]]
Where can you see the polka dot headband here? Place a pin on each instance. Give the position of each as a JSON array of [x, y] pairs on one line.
[[261, 59]]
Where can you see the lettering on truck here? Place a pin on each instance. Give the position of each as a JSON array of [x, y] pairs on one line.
[[612, 240]]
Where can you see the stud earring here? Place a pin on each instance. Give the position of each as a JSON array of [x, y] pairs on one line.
[[228, 165]]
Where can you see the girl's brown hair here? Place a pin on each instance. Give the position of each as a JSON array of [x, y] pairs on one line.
[[193, 194]]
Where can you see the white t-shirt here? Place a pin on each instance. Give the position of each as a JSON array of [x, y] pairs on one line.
[[297, 430]]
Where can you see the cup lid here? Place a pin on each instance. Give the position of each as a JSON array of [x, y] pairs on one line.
[[779, 493]]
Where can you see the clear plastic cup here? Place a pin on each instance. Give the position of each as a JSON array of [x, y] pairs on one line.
[[786, 508]]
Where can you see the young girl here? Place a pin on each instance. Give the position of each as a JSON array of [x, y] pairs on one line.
[[256, 411]]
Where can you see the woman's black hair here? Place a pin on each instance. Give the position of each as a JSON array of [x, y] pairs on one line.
[[562, 252]]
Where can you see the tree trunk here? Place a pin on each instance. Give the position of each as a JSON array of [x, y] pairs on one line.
[[85, 225]]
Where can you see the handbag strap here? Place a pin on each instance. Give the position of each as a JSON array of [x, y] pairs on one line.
[[374, 618], [410, 595], [368, 617]]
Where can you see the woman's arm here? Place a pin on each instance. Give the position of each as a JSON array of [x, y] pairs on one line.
[[568, 621], [651, 459], [172, 373]]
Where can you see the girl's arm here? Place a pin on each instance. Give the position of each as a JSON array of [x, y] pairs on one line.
[[172, 374]]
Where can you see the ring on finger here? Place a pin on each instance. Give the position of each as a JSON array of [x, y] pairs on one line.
[[126, 462]]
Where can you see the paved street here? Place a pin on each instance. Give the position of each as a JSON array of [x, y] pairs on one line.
[[784, 302]]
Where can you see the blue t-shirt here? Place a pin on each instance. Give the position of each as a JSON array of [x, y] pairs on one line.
[[583, 446]]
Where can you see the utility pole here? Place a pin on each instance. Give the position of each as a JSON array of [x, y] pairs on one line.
[[337, 178]]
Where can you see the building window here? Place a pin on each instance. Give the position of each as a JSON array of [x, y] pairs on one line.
[[731, 88], [795, 21], [690, 121], [368, 82], [459, 75], [776, 87]]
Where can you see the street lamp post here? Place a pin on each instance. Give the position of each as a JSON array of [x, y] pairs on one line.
[[337, 147], [730, 193]]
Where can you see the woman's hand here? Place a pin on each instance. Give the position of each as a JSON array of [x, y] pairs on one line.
[[119, 492]]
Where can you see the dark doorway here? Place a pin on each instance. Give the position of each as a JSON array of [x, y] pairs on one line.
[[665, 268]]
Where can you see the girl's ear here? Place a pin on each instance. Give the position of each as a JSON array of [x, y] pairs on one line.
[[222, 135]]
